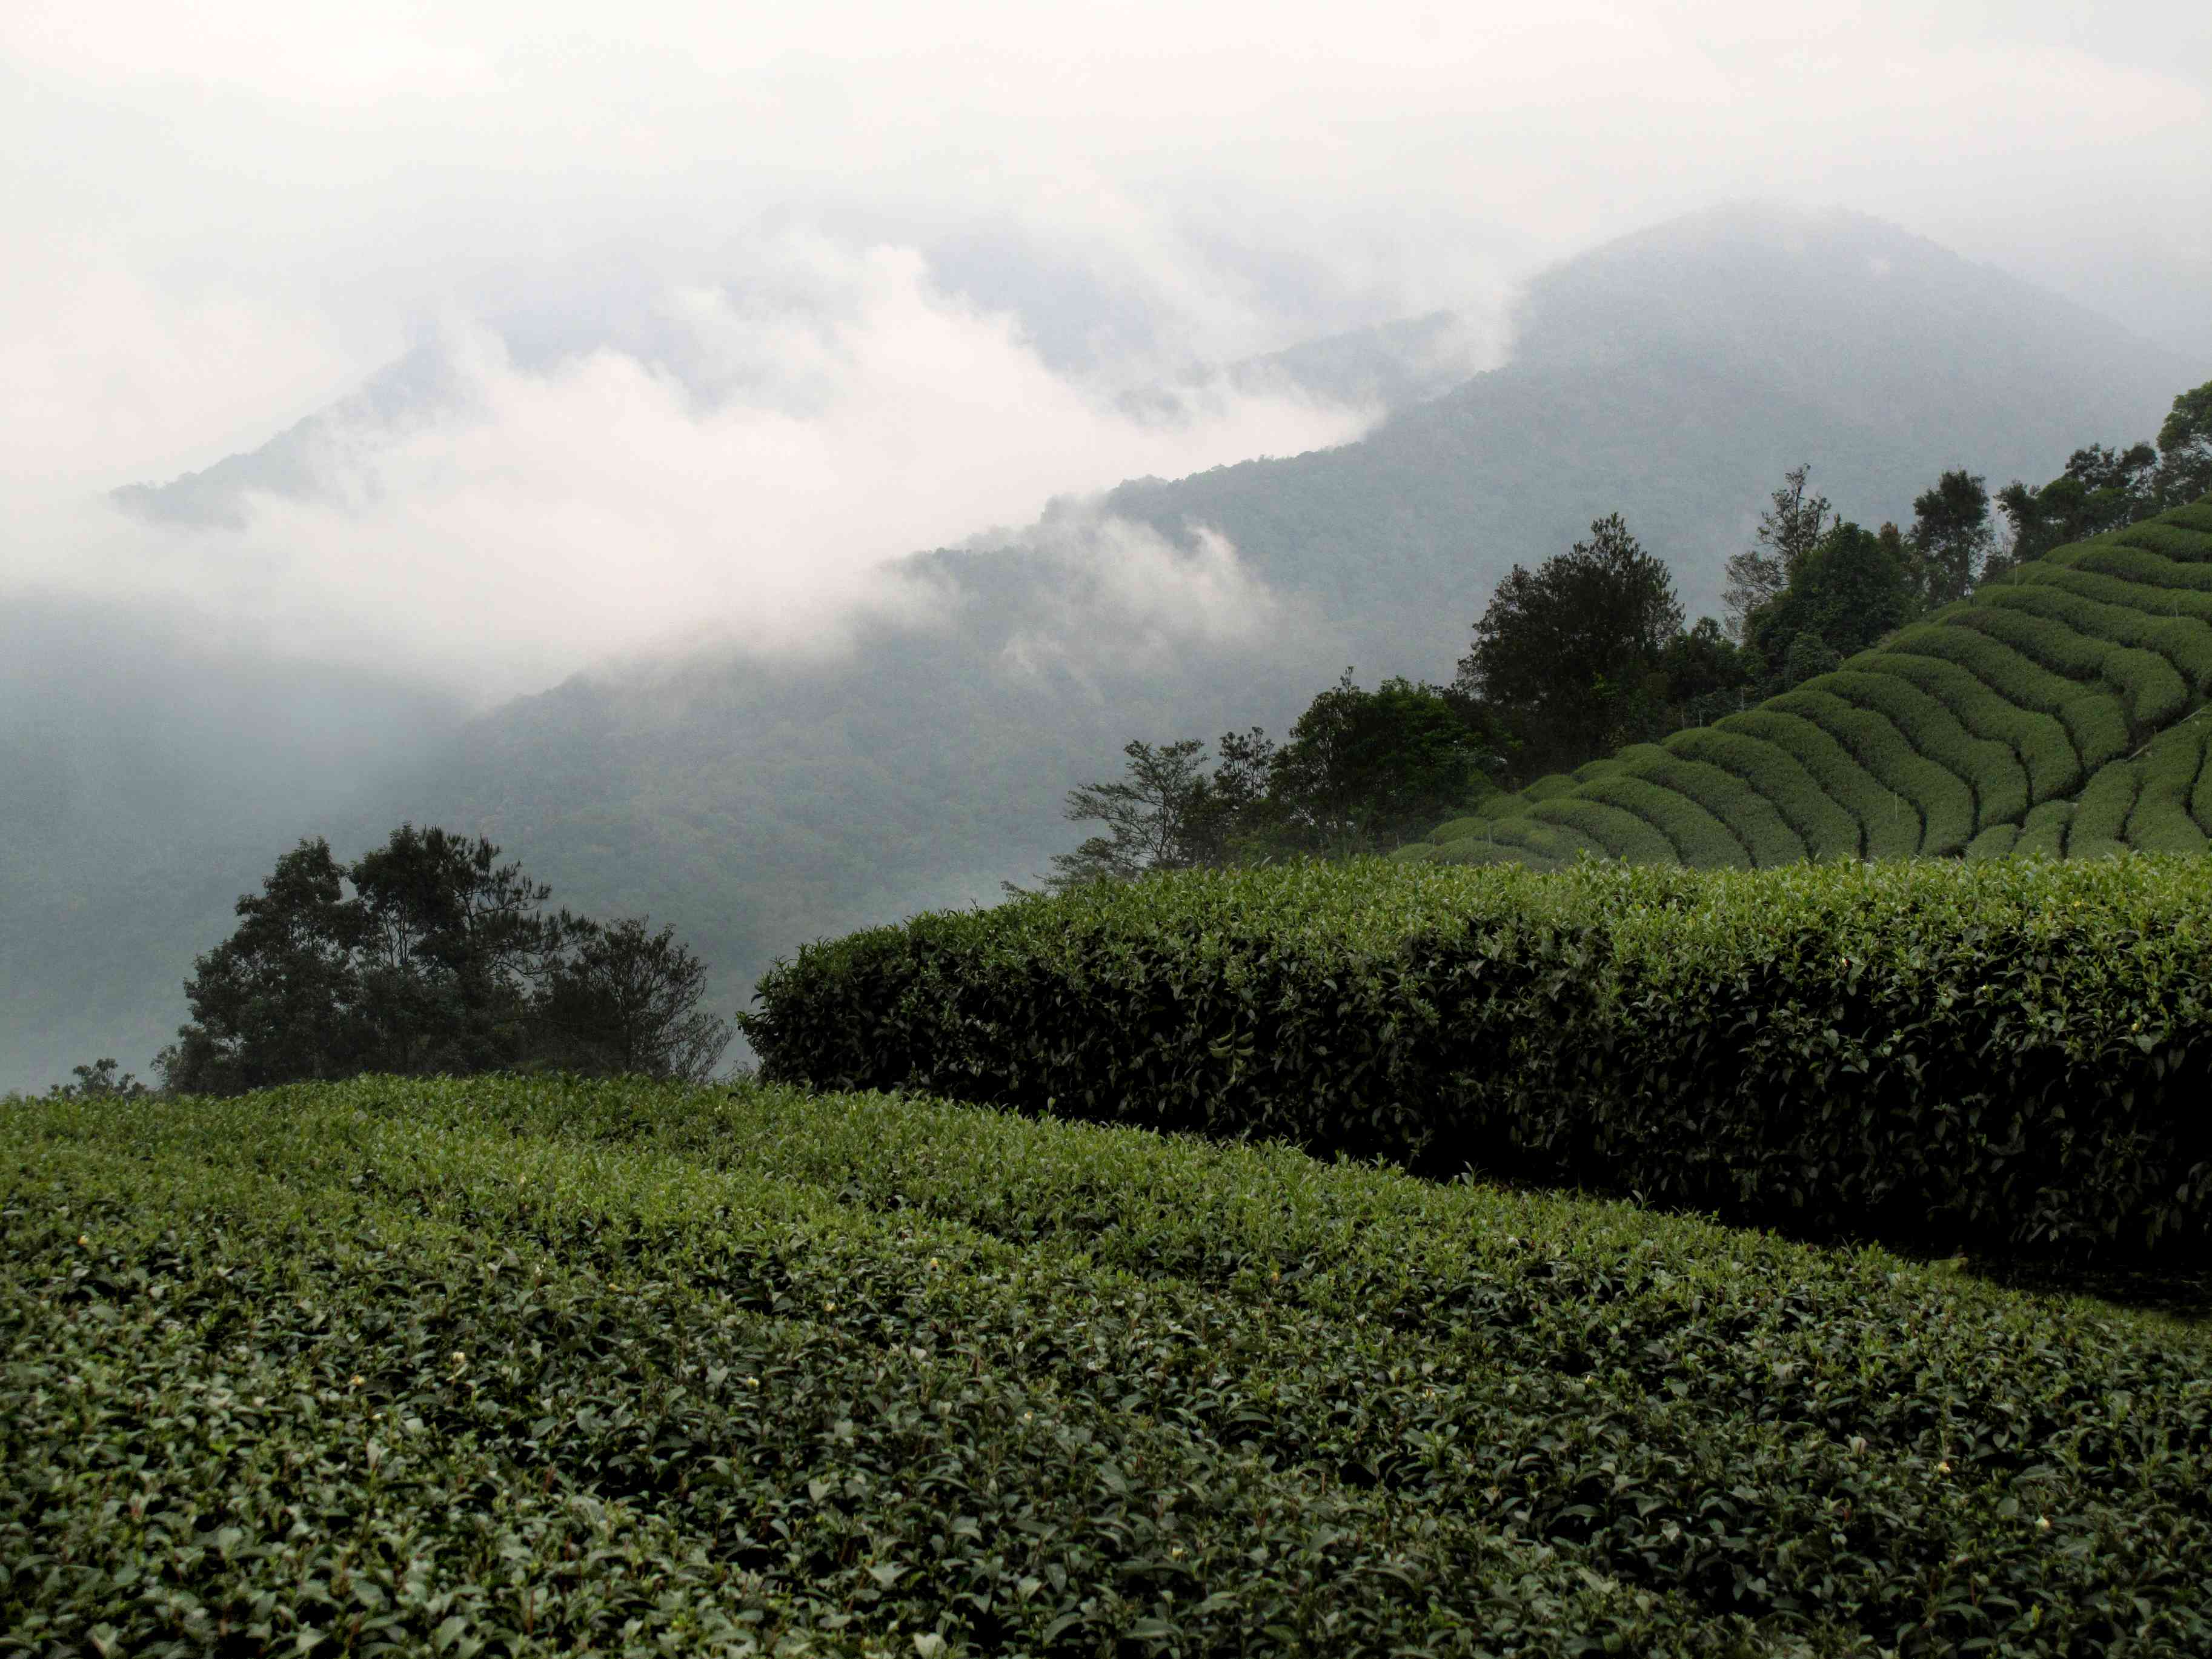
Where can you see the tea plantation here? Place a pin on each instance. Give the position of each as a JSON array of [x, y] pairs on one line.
[[2055, 712], [520, 1367]]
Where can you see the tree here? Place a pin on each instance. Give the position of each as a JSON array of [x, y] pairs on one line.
[[1363, 771], [1788, 531], [2101, 488], [452, 944], [1150, 816], [624, 1000], [1566, 653], [280, 1001], [427, 955], [2185, 442], [100, 1081], [1951, 537], [1854, 587]]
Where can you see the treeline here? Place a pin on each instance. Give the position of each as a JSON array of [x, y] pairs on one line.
[[428, 955], [1590, 651]]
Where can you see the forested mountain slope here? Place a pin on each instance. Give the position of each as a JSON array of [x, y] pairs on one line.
[[2059, 710]]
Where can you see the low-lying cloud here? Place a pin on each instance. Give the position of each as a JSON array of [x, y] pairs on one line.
[[515, 523]]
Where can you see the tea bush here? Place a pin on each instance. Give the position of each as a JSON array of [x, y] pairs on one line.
[[1929, 1051], [535, 1366]]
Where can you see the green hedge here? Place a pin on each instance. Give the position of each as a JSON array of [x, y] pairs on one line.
[[1699, 839], [1746, 813], [2144, 567], [2043, 639], [1458, 828], [1622, 835], [2167, 773], [1596, 768], [2097, 724], [1826, 829], [1990, 770], [2014, 678], [2147, 602], [2183, 535], [1943, 803], [1550, 784], [1889, 822], [1555, 853], [2102, 810], [2185, 642], [2037, 740], [1932, 1050], [527, 1367], [2043, 835], [1998, 842]]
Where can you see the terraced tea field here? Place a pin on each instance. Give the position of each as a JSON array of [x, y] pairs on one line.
[[2058, 711]]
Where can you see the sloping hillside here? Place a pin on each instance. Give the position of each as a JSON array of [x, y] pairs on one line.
[[2058, 711]]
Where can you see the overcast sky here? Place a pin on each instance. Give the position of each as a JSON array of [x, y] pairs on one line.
[[748, 297]]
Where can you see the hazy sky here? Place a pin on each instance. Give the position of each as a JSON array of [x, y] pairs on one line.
[[742, 299]]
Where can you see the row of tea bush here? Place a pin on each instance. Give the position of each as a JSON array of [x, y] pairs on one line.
[[2016, 1053], [530, 1366]]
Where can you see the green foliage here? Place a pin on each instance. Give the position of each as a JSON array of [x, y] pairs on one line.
[[1747, 814], [1362, 770], [1888, 1048], [427, 955], [101, 1079], [1854, 587], [1998, 840], [1621, 834], [1989, 768], [2038, 740], [536, 1367], [2171, 765], [2043, 833], [1699, 839], [1552, 784], [1889, 824], [1562, 654], [1825, 828], [1951, 537], [1942, 804]]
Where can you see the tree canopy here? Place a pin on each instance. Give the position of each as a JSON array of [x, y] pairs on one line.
[[429, 955], [1564, 652]]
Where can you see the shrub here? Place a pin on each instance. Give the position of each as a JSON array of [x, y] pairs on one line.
[[1990, 770], [2042, 639], [2179, 577], [2043, 835], [2038, 740], [2169, 767], [1596, 768], [2099, 727], [1622, 835], [2016, 678], [2185, 643], [2181, 534], [1457, 828], [1749, 815], [1826, 829], [1536, 852], [2109, 587], [1997, 841], [1889, 824], [2155, 693], [2101, 814], [748, 1370], [1942, 803], [1932, 1050], [1700, 839], [1550, 784]]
